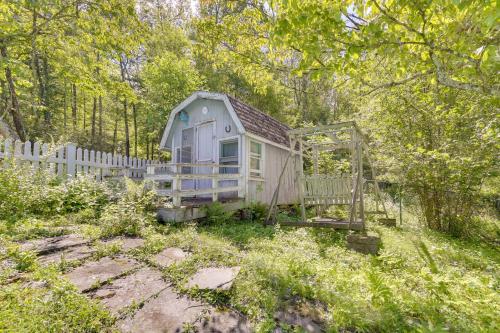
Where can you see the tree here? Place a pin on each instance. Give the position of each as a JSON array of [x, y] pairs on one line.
[[167, 81], [424, 73]]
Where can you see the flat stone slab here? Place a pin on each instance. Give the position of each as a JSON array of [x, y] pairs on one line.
[[127, 243], [215, 321], [133, 288], [91, 273], [296, 320], [164, 314], [68, 254], [214, 278], [52, 244], [169, 256]]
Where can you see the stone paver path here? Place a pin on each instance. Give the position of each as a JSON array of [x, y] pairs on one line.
[[127, 243], [222, 322], [169, 256], [134, 288], [47, 245], [166, 313], [129, 282], [214, 278], [92, 273], [69, 254]]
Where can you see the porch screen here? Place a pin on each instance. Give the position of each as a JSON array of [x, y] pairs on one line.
[[187, 151]]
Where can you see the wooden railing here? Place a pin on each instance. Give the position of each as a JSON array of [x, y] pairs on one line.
[[204, 177], [69, 160], [328, 190]]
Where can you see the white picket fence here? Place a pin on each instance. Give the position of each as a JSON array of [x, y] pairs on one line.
[[69, 160]]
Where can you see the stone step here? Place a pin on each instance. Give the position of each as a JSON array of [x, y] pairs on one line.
[[220, 278], [91, 273], [168, 312], [131, 289], [68, 254], [169, 256], [53, 244]]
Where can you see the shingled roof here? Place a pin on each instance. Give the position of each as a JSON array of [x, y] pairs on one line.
[[259, 123]]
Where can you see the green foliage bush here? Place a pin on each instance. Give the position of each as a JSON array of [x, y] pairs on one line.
[[24, 192], [54, 307], [256, 211], [216, 214], [12, 194], [130, 214]]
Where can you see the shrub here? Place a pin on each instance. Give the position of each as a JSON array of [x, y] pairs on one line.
[[122, 218], [256, 211], [216, 214], [85, 192], [129, 215], [24, 260], [11, 195], [24, 191]]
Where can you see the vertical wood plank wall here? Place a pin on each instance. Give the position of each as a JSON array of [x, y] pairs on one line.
[[274, 161]]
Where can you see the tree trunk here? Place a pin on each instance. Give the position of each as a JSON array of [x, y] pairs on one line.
[[84, 113], [65, 109], [46, 91], [125, 122], [17, 118], [92, 136], [5, 97], [101, 138], [147, 147], [41, 89], [73, 105], [115, 132], [134, 113]]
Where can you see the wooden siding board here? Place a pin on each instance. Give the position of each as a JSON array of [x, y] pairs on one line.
[[262, 191]]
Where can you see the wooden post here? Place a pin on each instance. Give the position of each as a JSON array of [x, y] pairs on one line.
[[176, 187], [215, 184], [354, 165], [27, 151], [92, 163], [315, 157], [60, 162], [361, 185], [36, 155], [70, 159], [301, 181], [98, 161]]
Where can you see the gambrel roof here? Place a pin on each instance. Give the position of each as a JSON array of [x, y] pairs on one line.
[[247, 118], [260, 123]]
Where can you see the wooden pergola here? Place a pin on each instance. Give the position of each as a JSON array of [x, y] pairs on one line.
[[321, 187]]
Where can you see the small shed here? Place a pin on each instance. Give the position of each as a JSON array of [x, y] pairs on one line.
[[222, 149]]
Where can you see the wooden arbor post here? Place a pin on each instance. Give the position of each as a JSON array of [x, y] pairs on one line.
[[301, 180]]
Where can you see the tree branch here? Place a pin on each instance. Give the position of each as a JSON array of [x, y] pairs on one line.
[[393, 83]]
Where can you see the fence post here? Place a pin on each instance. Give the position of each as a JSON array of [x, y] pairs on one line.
[[176, 187], [7, 144], [36, 155], [70, 159], [215, 184]]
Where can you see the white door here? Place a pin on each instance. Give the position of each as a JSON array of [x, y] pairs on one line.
[[205, 152]]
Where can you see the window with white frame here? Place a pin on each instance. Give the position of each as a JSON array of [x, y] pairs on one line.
[[256, 159], [228, 155]]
